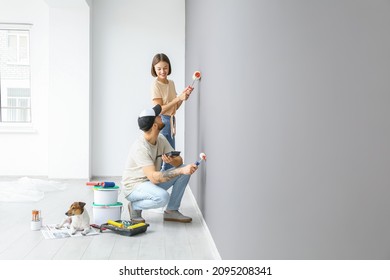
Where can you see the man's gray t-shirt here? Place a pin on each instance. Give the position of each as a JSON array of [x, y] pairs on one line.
[[143, 154]]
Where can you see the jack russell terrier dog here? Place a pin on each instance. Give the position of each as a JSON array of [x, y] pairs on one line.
[[77, 218]]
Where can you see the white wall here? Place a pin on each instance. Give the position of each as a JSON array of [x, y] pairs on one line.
[[26, 153], [126, 36], [69, 98], [57, 143]]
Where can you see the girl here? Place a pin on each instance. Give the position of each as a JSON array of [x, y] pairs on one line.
[[164, 93]]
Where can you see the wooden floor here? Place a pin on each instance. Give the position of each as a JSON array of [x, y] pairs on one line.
[[161, 241]]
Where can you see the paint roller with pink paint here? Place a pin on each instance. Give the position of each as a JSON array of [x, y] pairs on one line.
[[197, 75], [101, 184], [202, 157]]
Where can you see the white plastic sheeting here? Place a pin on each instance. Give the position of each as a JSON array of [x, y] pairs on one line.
[[27, 189]]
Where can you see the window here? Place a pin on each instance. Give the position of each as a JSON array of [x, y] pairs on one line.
[[18, 105], [18, 46], [15, 91]]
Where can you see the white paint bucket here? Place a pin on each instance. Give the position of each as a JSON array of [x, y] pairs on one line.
[[105, 196], [102, 213]]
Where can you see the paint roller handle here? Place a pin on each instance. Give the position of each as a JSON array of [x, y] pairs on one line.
[[197, 163], [185, 94]]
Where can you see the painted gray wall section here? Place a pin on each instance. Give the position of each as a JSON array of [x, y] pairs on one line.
[[293, 113]]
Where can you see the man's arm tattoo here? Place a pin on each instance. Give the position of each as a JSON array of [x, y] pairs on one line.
[[170, 174]]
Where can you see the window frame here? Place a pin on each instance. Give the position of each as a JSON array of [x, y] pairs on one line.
[[24, 126]]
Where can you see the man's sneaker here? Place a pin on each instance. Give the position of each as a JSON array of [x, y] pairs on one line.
[[176, 216], [135, 215]]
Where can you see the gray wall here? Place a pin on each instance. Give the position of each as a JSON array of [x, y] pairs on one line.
[[293, 113]]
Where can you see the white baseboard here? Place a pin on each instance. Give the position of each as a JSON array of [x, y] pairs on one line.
[[210, 240]]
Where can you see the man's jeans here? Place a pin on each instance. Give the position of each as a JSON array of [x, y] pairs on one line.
[[149, 196]]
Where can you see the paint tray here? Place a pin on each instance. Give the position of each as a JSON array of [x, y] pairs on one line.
[[137, 228]]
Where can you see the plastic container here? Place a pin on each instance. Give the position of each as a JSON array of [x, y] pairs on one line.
[[36, 225], [106, 196], [102, 213]]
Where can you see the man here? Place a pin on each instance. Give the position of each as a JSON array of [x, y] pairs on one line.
[[145, 186]]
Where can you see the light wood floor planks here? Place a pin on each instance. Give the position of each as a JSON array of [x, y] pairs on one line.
[[162, 240]]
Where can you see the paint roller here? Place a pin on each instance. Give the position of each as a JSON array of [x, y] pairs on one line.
[[116, 224], [120, 225], [197, 75], [102, 184], [202, 157]]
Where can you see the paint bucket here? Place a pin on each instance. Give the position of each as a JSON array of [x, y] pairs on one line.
[[102, 212], [102, 195]]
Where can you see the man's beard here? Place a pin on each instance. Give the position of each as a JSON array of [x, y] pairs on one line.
[[161, 127]]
